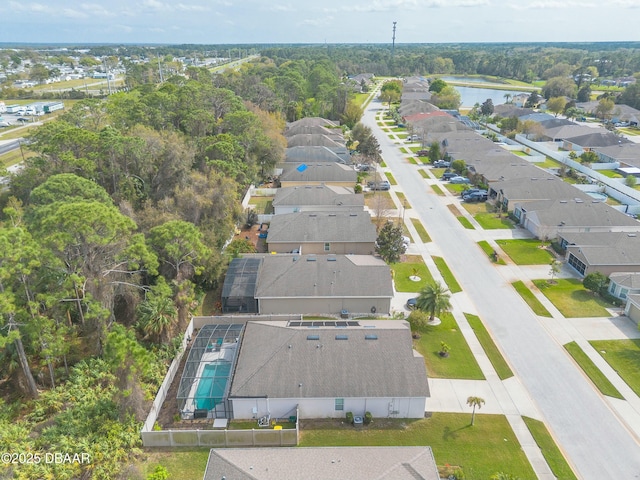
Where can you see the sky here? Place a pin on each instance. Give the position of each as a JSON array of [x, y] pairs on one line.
[[317, 21]]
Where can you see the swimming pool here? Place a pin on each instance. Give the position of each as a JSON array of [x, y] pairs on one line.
[[212, 385]]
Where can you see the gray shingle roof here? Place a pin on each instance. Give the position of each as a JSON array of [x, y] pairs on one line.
[[291, 275], [303, 227], [319, 172], [606, 248], [320, 195], [629, 280], [274, 360], [317, 154], [311, 140], [542, 186], [572, 213], [322, 463]]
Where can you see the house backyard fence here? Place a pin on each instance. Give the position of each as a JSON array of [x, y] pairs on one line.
[[152, 437]]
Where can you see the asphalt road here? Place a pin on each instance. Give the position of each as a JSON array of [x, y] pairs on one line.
[[595, 441]]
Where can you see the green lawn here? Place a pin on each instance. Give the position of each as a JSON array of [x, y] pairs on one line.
[[549, 449], [488, 447], [403, 270], [624, 358], [424, 236], [412, 160], [488, 345], [179, 462], [610, 173], [447, 275], [360, 98], [437, 189], [382, 164], [488, 249], [459, 364], [261, 204], [456, 188], [531, 300], [526, 251], [392, 180], [572, 299], [592, 371], [423, 173], [489, 221], [405, 150], [403, 200], [465, 223]]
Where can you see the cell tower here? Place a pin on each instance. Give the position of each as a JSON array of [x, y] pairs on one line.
[[393, 45]]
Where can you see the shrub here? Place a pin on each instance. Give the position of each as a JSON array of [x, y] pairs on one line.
[[368, 418], [350, 418]]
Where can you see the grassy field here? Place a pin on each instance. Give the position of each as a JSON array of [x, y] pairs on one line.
[[412, 265], [14, 157], [488, 249], [624, 358], [601, 382], [447, 275], [489, 221], [424, 236], [450, 435], [531, 300], [572, 299], [488, 345], [549, 449], [370, 199], [459, 364], [526, 251]]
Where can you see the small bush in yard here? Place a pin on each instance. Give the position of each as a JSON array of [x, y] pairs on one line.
[[350, 417], [368, 418]]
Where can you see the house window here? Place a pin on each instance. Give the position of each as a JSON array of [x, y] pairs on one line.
[[577, 264], [339, 403], [327, 247], [624, 292], [612, 288]]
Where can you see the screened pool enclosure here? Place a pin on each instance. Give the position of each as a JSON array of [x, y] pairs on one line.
[[207, 372]]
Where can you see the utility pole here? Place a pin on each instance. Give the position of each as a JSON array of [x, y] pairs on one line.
[[393, 45]]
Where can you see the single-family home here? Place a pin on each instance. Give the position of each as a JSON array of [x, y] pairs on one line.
[[318, 173], [322, 463], [317, 198], [321, 233], [604, 252], [325, 369]]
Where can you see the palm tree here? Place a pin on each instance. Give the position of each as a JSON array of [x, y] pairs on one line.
[[507, 97], [434, 299], [474, 402], [156, 317]]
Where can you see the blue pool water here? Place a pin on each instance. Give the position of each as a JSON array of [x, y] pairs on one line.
[[598, 196], [212, 385]]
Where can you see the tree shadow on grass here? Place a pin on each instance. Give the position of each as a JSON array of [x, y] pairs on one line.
[[449, 434]]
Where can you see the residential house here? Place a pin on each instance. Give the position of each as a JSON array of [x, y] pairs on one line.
[[322, 233], [318, 173], [623, 284], [593, 140], [318, 198], [322, 463], [604, 252], [548, 219], [307, 284], [328, 369], [310, 154]]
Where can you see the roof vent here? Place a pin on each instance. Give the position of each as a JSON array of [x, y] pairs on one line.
[[371, 336], [342, 337], [631, 235], [353, 214], [331, 259], [563, 201], [311, 259], [313, 337]]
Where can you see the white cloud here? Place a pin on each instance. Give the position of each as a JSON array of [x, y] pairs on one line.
[[387, 5], [97, 10], [192, 8]]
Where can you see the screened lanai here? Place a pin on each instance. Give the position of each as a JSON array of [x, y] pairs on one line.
[[207, 372], [239, 289]]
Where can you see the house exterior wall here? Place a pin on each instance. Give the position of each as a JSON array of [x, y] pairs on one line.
[[632, 311], [318, 248], [324, 305], [382, 407]]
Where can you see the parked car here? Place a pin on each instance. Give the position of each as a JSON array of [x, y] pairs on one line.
[[422, 153], [448, 175], [412, 303], [475, 197], [22, 120], [383, 185], [441, 164], [469, 191], [459, 180]]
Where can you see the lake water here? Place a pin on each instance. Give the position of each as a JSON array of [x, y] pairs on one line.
[[469, 96]]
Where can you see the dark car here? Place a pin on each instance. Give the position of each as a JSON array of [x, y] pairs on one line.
[[422, 153], [469, 191], [22, 120], [441, 164], [448, 175], [412, 303], [475, 197]]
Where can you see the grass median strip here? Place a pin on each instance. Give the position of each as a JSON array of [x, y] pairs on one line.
[[528, 296], [447, 275], [549, 449], [465, 223], [500, 365], [424, 236], [391, 179], [598, 378], [488, 249]]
